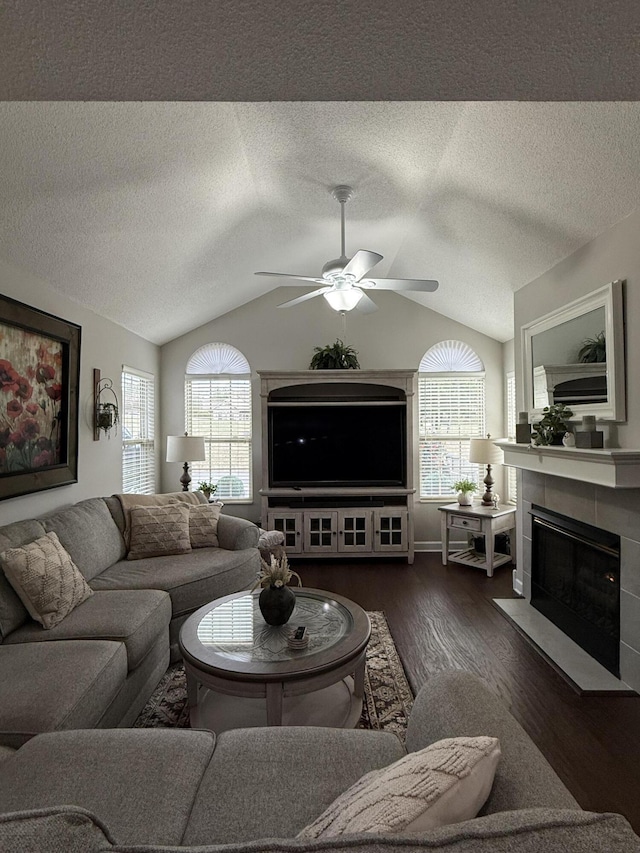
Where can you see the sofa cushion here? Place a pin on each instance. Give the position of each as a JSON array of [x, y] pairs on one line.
[[525, 831], [203, 525], [191, 579], [459, 704], [140, 782], [13, 613], [158, 531], [46, 579], [65, 684], [133, 617], [446, 782], [64, 828], [90, 535], [287, 776]]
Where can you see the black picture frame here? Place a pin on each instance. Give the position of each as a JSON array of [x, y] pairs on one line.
[[38, 414]]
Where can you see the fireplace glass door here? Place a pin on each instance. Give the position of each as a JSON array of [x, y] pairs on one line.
[[575, 582]]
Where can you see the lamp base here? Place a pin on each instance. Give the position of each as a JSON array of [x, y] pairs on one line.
[[186, 477], [487, 498]]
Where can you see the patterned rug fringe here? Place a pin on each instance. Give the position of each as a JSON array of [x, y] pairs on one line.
[[387, 696]]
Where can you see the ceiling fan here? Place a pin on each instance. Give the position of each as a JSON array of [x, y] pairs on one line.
[[343, 279]]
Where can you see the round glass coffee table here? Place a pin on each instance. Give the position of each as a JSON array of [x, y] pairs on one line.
[[242, 672]]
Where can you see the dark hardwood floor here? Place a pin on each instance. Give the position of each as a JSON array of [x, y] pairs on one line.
[[442, 617]]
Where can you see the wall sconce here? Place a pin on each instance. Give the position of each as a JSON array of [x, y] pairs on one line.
[[105, 409]]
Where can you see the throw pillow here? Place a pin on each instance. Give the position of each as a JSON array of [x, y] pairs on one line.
[[46, 579], [203, 525], [158, 531], [447, 782]]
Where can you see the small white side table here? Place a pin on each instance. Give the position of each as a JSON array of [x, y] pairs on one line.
[[481, 520]]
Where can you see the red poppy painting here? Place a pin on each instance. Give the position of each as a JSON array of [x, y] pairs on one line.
[[39, 372], [30, 395]]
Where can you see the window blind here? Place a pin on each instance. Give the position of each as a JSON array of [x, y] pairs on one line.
[[138, 432], [219, 409], [451, 410]]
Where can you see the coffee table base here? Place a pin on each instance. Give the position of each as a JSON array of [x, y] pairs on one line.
[[335, 706]]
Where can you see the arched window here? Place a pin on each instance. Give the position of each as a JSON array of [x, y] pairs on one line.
[[218, 407], [451, 406]]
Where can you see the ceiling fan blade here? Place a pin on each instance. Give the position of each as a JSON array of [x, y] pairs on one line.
[[304, 297], [361, 263], [366, 305], [288, 275], [424, 285]]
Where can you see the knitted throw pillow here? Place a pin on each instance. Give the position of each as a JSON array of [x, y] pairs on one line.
[[447, 782], [159, 531], [45, 578], [203, 525]]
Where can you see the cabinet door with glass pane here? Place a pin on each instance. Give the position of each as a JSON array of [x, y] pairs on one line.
[[390, 529], [354, 531], [320, 531], [290, 524]]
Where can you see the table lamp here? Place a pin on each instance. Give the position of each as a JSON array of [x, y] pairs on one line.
[[185, 448], [484, 452]]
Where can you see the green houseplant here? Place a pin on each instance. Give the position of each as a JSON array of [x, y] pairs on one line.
[[553, 425], [593, 350], [336, 356], [465, 490], [207, 489]]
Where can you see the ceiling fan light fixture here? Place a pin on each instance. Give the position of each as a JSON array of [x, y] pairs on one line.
[[343, 300]]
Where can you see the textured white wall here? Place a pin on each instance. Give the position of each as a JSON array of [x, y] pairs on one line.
[[104, 345], [615, 254], [396, 336]]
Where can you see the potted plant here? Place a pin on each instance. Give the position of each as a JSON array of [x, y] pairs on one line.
[[336, 356], [553, 425], [465, 490], [207, 489], [276, 600], [593, 350]]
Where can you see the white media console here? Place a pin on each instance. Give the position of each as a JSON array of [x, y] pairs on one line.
[[336, 520]]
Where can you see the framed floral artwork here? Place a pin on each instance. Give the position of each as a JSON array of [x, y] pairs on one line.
[[39, 378]]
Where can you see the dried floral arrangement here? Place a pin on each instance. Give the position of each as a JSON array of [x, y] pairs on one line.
[[276, 572]]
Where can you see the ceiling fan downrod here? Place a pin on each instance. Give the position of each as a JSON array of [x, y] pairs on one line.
[[342, 193]]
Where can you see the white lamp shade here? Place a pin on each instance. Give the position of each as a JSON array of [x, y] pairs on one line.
[[484, 452], [344, 300], [185, 448]]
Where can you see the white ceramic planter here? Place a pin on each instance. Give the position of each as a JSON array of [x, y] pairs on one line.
[[465, 498]]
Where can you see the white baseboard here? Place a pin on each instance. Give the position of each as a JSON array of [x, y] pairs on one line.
[[428, 546], [518, 586]]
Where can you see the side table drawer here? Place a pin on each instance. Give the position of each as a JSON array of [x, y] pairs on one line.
[[463, 522]]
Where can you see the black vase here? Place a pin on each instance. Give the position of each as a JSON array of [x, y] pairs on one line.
[[276, 604], [557, 438]]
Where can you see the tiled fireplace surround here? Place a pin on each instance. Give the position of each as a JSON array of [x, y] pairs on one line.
[[616, 510]]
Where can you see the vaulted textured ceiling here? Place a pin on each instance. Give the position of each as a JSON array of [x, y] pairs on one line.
[[238, 117], [156, 215]]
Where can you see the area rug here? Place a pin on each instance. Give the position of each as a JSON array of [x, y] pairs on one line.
[[387, 695]]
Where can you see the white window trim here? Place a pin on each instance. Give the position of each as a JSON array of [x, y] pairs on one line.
[[510, 473], [148, 443], [480, 376], [233, 377]]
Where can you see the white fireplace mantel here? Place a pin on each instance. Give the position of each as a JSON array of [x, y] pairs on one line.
[[611, 467]]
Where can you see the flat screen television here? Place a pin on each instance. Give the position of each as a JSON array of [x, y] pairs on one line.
[[346, 445]]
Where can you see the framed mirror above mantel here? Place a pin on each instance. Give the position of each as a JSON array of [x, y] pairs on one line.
[[576, 355]]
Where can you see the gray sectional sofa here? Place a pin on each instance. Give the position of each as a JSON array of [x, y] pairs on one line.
[[253, 790], [98, 666]]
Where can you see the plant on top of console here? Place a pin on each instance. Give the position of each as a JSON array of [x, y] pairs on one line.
[[465, 486], [338, 356]]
